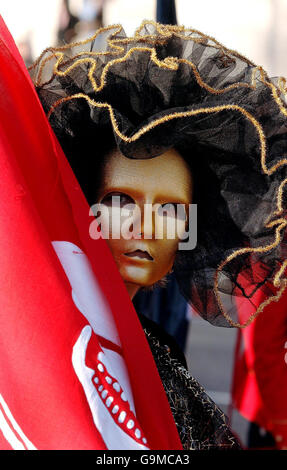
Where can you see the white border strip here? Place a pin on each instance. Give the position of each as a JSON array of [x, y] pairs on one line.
[[9, 429]]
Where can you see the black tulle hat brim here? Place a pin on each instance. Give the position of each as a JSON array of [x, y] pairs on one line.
[[170, 87]]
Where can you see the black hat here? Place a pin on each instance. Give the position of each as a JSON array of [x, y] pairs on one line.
[[169, 86]]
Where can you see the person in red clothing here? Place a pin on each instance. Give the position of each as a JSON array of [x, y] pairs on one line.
[[260, 376]]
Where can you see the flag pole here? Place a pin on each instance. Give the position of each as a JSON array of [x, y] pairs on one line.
[[166, 12]]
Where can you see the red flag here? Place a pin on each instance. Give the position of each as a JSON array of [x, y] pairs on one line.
[[76, 369]]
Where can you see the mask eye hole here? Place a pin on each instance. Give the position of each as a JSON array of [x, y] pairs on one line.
[[117, 198]]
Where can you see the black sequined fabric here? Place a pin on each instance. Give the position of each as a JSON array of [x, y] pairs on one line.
[[200, 423]]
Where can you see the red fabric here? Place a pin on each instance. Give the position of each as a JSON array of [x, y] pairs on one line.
[[260, 374], [41, 201]]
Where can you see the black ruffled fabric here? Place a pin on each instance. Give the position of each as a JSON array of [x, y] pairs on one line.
[[173, 87]]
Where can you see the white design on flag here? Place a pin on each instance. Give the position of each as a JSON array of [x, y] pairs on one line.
[[11, 429], [109, 383], [114, 431], [86, 292], [89, 299]]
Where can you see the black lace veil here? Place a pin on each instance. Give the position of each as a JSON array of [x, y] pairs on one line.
[[174, 87]]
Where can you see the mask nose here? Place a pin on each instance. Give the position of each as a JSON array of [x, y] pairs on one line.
[[143, 223]]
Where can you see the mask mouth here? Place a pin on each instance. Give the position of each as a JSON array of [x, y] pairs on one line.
[[142, 254]]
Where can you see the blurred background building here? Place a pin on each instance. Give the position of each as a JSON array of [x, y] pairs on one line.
[[255, 28]]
